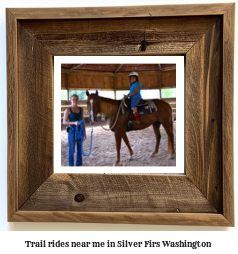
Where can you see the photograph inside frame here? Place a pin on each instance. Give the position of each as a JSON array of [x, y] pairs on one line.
[[119, 114]]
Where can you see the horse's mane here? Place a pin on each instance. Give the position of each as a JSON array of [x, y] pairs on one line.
[[109, 107]]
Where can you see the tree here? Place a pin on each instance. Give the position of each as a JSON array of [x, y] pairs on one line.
[[81, 94]]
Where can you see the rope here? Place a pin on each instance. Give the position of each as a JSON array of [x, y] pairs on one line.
[[110, 128], [79, 134], [91, 141]]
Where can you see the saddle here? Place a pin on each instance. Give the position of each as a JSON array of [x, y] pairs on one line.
[[144, 107]]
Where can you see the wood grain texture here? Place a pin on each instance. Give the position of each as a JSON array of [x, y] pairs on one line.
[[35, 100], [12, 116], [204, 114], [57, 29], [119, 193], [93, 79], [190, 219], [208, 184], [120, 12], [74, 48], [227, 113], [119, 36]]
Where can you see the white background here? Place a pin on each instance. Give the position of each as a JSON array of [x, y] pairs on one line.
[[10, 240], [178, 60]]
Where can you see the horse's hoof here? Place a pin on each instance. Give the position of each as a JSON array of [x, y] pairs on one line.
[[115, 164], [171, 157], [130, 158], [153, 155]]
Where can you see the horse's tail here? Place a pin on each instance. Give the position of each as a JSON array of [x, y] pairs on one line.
[[166, 113], [171, 137]]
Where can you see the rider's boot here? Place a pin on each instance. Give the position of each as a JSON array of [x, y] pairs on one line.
[[137, 116]]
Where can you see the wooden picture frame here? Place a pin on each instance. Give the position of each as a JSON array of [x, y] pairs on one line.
[[204, 34]]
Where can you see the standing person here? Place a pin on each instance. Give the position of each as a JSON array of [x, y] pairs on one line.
[[72, 116], [134, 94]]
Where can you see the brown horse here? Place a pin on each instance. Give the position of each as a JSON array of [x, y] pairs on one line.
[[118, 122]]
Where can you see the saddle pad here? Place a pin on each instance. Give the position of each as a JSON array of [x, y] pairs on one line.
[[147, 108]]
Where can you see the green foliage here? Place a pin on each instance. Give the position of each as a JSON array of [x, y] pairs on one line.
[[81, 94], [168, 93], [63, 95]]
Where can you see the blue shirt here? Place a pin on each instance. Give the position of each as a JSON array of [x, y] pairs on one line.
[[73, 117], [132, 89]]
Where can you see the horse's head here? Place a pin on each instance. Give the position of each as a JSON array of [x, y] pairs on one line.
[[93, 104]]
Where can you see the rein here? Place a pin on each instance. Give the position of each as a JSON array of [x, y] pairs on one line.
[[110, 128], [91, 141]]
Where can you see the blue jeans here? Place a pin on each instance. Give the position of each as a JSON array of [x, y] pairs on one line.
[[71, 141], [134, 102]]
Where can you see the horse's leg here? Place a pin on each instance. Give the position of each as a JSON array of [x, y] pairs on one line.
[[125, 138], [169, 130], [156, 127], [118, 147]]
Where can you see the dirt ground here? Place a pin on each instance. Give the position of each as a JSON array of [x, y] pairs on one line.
[[104, 148]]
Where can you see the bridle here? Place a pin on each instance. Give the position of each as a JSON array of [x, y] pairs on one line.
[[97, 105], [91, 108]]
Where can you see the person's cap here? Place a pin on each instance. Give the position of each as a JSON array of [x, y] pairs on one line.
[[133, 73]]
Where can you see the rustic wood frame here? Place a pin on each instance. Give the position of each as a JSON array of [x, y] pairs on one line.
[[204, 196]]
